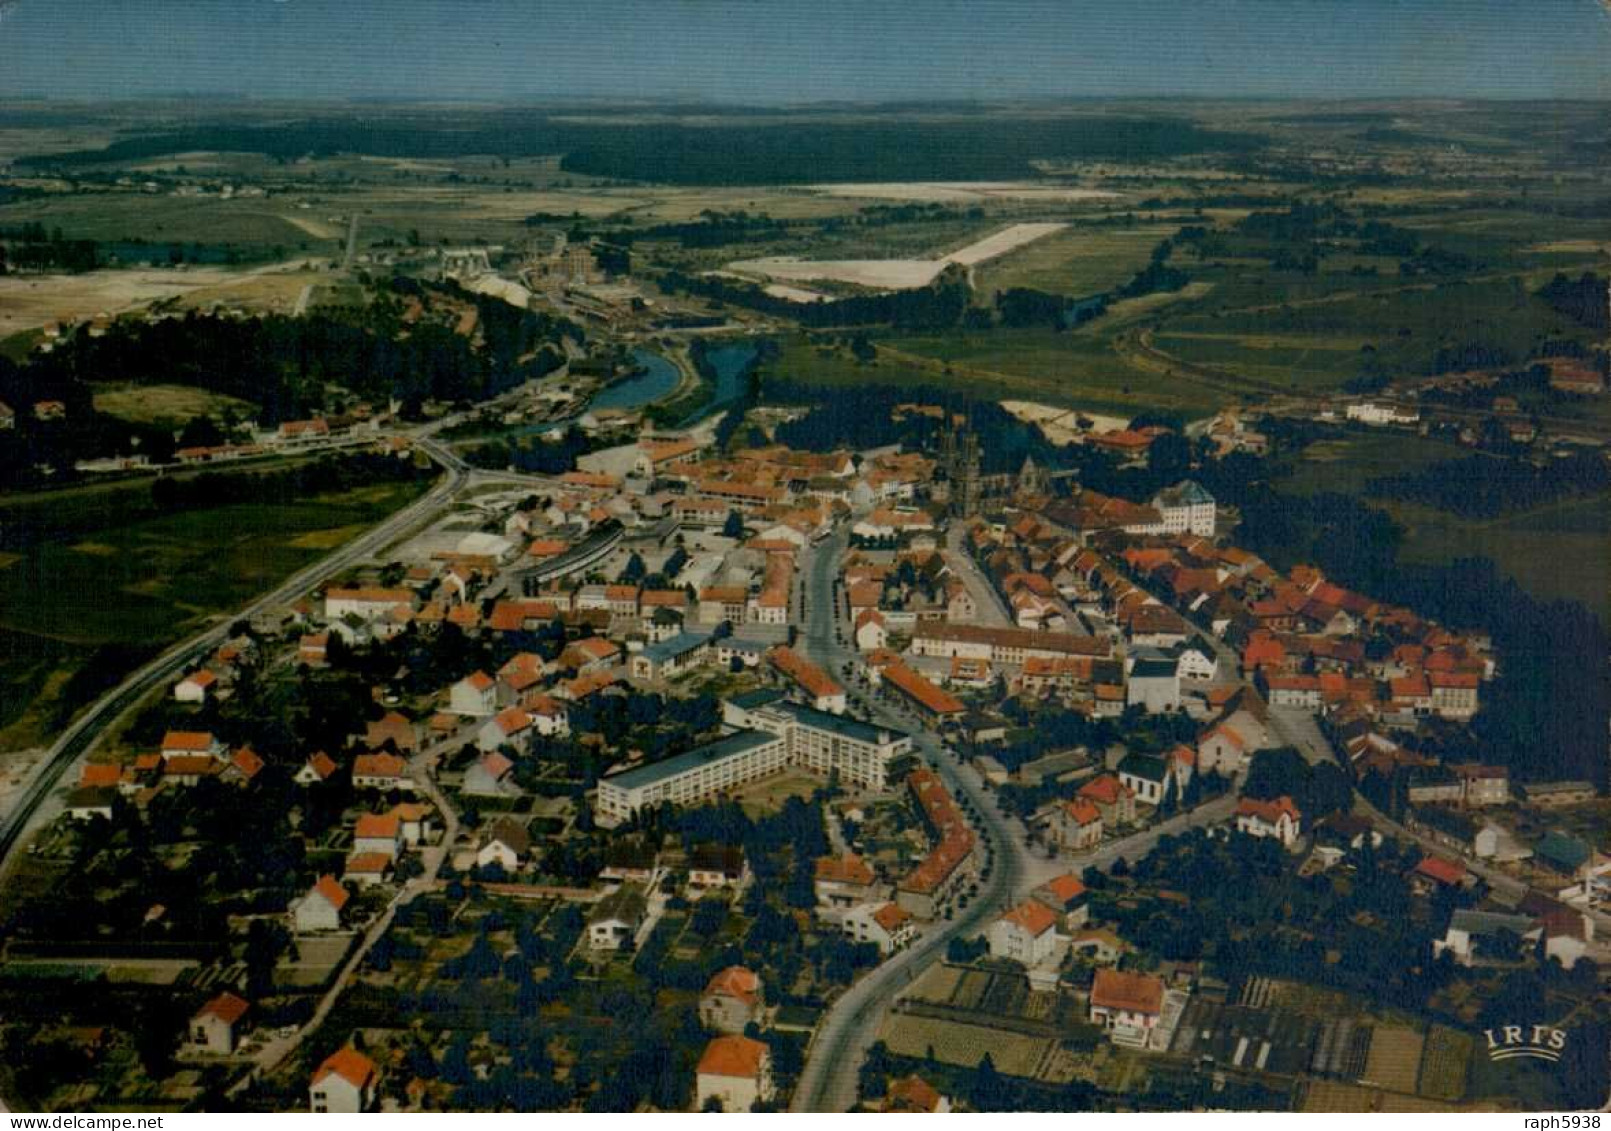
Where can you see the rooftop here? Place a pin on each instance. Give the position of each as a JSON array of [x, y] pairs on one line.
[[733, 744]]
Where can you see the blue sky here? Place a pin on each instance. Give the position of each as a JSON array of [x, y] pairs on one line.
[[767, 51]]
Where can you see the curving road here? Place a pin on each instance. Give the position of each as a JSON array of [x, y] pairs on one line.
[[87, 729], [851, 1024]]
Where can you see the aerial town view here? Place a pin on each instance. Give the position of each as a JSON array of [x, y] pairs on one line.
[[759, 557]]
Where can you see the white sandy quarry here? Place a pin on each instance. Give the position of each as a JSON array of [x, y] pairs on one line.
[[1057, 422], [891, 274]]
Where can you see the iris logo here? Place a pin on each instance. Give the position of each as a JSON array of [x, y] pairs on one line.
[[1541, 1042]]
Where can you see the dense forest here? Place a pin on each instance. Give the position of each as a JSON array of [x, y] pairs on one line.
[[750, 150], [281, 365], [1486, 486], [1584, 299]]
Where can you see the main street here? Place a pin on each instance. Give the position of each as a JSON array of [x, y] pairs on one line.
[[851, 1024], [82, 735]]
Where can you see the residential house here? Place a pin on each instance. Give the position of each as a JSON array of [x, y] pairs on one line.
[[378, 832], [506, 844], [714, 866], [734, 1074], [1114, 800], [491, 775], [475, 695], [380, 771], [732, 1000], [1067, 896], [1075, 825], [888, 926], [615, 919], [195, 687], [320, 908], [1278, 818], [1027, 934], [1128, 1004], [844, 881], [216, 1026], [913, 1095], [347, 1083], [509, 727]]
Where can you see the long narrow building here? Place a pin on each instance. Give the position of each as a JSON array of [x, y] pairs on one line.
[[772, 734]]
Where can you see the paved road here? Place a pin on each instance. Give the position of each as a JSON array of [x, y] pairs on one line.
[[1301, 729], [82, 735], [432, 857], [992, 610], [851, 1024]]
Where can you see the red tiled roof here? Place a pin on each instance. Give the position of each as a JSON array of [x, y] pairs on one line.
[[1065, 888], [911, 1094], [1082, 811], [739, 1057], [891, 916], [330, 889], [735, 982], [846, 869], [813, 679], [100, 775], [351, 1065], [378, 766], [373, 825], [1441, 870], [1105, 790], [247, 762], [1269, 812], [226, 1007], [368, 864], [1132, 992], [939, 701], [188, 740], [1036, 918]]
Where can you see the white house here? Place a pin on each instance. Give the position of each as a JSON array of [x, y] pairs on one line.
[[1127, 1004], [195, 687], [1153, 685], [216, 1026], [507, 843], [888, 926], [345, 1084], [615, 919], [871, 633], [1279, 819], [320, 909], [509, 727], [735, 1072], [382, 833], [1028, 934], [475, 694]]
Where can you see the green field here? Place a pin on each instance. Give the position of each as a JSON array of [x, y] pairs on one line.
[[152, 581], [1561, 550], [1058, 367], [1315, 342], [1077, 261]]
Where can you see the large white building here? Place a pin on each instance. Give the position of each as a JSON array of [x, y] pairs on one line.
[[1002, 645], [1185, 509], [772, 734]]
